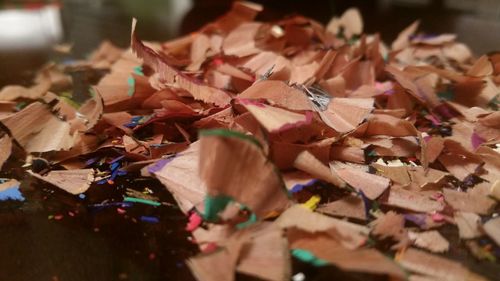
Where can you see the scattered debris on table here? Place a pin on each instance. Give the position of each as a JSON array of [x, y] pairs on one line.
[[282, 140]]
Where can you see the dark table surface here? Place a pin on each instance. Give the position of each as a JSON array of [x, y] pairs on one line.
[[56, 236]]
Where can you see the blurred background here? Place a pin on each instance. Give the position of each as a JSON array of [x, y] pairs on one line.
[[28, 29]]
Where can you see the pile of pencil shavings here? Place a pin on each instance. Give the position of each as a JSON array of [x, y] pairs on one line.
[[287, 139]]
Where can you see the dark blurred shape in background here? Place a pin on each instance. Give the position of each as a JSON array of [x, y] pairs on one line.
[[86, 23]]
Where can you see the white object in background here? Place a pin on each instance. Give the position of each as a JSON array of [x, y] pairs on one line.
[[299, 277], [30, 29]]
